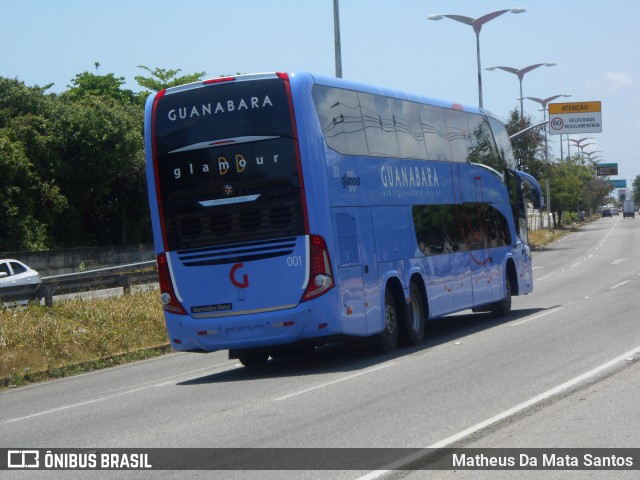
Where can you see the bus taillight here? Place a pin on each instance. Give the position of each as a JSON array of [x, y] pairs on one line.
[[167, 294], [321, 279], [218, 80]]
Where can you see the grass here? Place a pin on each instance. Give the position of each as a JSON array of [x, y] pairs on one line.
[[80, 335], [77, 335], [539, 238]]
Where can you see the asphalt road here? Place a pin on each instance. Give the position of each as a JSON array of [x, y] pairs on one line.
[[560, 371]]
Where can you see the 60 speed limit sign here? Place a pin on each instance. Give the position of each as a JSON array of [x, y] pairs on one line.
[[575, 117]]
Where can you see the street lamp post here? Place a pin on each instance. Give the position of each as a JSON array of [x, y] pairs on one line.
[[336, 38], [588, 154], [578, 143], [477, 23], [593, 160], [581, 147], [544, 103], [585, 145], [520, 73]]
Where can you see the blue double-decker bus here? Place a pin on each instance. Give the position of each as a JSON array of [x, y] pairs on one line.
[[291, 210]]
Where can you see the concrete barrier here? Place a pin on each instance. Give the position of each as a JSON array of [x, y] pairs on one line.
[[72, 260]]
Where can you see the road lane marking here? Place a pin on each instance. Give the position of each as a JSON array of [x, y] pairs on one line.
[[619, 285], [536, 317], [633, 353], [618, 261], [157, 383], [333, 382], [74, 405]]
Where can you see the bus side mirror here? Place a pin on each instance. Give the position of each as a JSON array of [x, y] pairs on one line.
[[534, 186]]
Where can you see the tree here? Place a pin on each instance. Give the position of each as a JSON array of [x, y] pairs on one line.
[[567, 182], [161, 78], [595, 191], [528, 147], [109, 85], [30, 198], [101, 143], [636, 188], [73, 164]]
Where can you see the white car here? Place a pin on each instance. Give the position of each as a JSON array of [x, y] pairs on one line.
[[14, 273]]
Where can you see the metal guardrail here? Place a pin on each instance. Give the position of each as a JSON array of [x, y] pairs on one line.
[[113, 277]]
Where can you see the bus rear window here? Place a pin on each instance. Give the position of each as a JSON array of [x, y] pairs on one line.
[[222, 110], [226, 161]]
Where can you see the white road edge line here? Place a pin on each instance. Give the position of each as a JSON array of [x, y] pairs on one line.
[[507, 413], [333, 382]]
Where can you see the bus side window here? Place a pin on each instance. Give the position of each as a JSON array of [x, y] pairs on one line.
[[406, 119], [459, 137], [483, 148], [505, 234], [379, 126], [436, 229], [434, 129], [497, 228], [340, 119], [503, 144]]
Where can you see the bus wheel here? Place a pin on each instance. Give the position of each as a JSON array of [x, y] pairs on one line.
[[253, 359], [503, 307], [416, 318], [389, 336]]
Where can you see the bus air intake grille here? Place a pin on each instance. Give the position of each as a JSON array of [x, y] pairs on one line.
[[242, 252], [276, 213]]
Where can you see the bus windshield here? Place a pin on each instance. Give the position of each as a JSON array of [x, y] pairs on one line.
[[226, 163]]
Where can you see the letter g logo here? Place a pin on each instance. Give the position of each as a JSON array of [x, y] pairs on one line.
[[232, 276]]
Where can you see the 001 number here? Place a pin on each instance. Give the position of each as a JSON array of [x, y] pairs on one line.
[[294, 261]]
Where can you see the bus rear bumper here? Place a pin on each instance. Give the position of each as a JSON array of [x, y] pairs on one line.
[[252, 330]]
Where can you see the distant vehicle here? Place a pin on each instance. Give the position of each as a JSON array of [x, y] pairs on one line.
[[14, 273], [606, 212], [628, 209], [615, 211]]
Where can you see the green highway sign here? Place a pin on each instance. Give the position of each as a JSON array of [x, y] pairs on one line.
[[618, 183], [607, 169]]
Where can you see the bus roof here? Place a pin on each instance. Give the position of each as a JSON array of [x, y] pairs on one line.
[[389, 92], [341, 83]]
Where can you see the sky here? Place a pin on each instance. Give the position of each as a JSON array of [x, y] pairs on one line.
[[593, 43]]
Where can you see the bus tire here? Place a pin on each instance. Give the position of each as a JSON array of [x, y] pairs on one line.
[[388, 338], [253, 359], [503, 307], [415, 318]]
